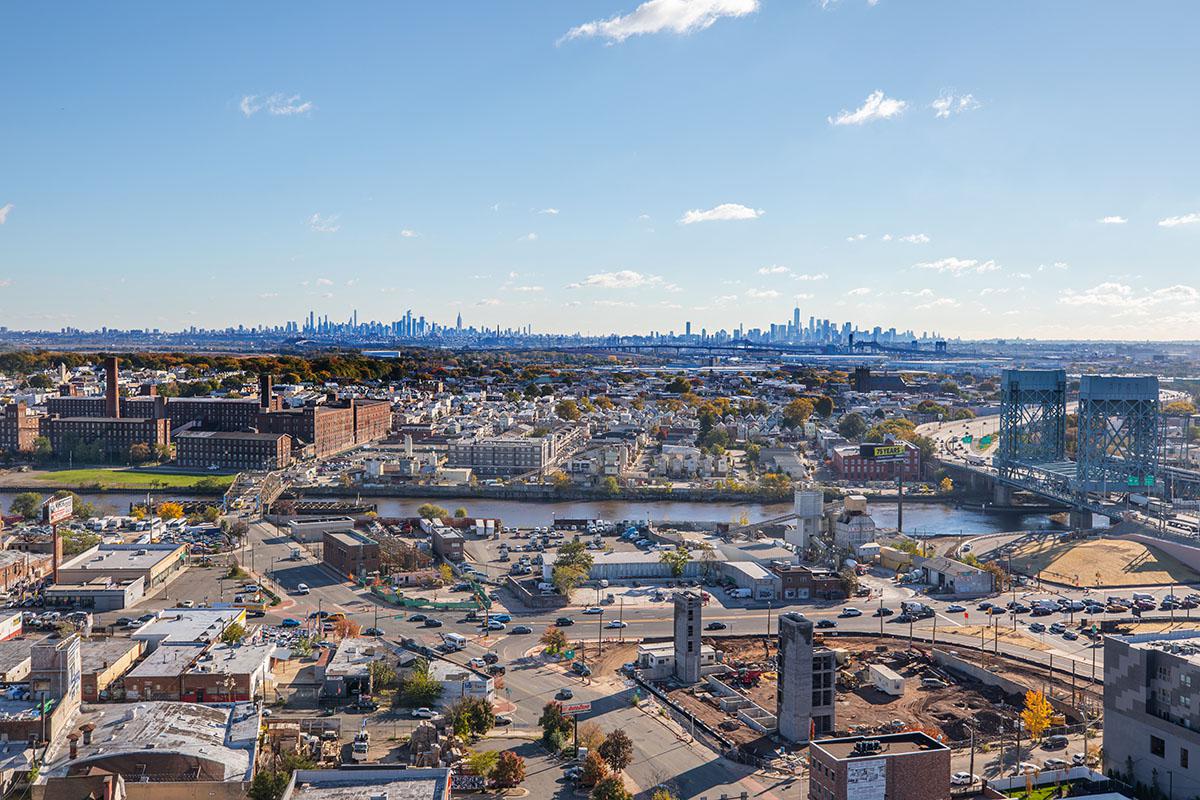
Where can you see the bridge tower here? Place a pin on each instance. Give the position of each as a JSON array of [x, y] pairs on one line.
[[1119, 433], [1033, 420]]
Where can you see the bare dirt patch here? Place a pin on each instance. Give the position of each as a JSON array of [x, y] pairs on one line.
[[1104, 562]]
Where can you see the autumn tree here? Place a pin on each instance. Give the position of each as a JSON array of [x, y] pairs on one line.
[[617, 750], [567, 410], [554, 639], [233, 633], [432, 511], [510, 770], [611, 788], [946, 485], [555, 725], [169, 510], [346, 628], [1036, 714], [594, 769], [797, 412]]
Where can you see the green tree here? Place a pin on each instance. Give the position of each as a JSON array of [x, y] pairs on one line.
[[852, 426], [432, 511], [211, 514], [609, 485], [233, 633], [823, 406], [383, 675], [42, 450], [419, 688], [611, 788], [554, 723], [460, 512], [27, 505], [510, 771], [679, 385], [676, 559], [483, 763], [139, 452], [474, 716], [571, 566], [617, 750], [567, 410]]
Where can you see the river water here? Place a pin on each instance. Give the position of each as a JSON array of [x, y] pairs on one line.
[[919, 518]]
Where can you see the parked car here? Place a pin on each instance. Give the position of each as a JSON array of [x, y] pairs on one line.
[[883, 611], [1037, 627], [373, 632], [422, 713], [490, 658], [593, 610], [963, 779], [715, 626], [955, 608], [417, 617], [289, 622], [564, 694], [521, 629], [1054, 763], [430, 622]]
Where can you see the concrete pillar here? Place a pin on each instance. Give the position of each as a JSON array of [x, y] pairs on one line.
[[687, 637], [1002, 495], [794, 681], [1081, 520]]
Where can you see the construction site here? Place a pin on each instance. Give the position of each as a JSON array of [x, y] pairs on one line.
[[880, 687]]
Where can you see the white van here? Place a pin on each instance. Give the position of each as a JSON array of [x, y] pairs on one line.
[[302, 588], [454, 640]]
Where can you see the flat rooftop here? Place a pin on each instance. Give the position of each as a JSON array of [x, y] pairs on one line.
[[1181, 644], [110, 557], [231, 435], [167, 661], [889, 745], [95, 655], [353, 656], [238, 659], [15, 655], [365, 783], [188, 624], [223, 737], [349, 538]]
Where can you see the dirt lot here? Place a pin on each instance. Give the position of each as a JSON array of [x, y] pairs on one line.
[[1107, 562]]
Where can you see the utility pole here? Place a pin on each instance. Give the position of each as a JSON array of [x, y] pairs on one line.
[[621, 632], [971, 728]]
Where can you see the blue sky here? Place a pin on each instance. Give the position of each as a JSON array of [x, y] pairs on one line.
[[978, 168]]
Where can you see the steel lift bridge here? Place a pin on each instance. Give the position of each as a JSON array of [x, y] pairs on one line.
[[1118, 444]]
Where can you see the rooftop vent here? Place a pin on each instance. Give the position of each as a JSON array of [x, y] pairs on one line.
[[867, 746]]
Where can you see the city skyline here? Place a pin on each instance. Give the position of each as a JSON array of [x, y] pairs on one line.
[[605, 167]]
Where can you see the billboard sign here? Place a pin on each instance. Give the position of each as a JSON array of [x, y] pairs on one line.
[[883, 452], [577, 708], [55, 511]]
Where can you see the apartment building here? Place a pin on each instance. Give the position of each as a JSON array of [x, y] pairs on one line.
[[19, 427], [1152, 709], [500, 456], [233, 451]]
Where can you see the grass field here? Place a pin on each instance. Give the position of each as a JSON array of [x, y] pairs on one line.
[[1118, 562], [131, 479]]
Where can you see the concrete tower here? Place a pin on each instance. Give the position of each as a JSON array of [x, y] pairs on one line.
[[795, 677], [687, 637]]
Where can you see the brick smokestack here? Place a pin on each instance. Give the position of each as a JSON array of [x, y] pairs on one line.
[[264, 391], [112, 394]]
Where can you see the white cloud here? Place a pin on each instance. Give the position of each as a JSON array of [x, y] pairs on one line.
[[488, 301], [861, 291], [1112, 220], [526, 289], [1059, 265], [774, 269], [322, 224], [1127, 300], [551, 212], [614, 303], [959, 266], [725, 299], [409, 234], [941, 302], [949, 104], [324, 282], [278, 105], [529, 237], [623, 279], [858, 237], [722, 213], [268, 295], [655, 16], [817, 276], [877, 106], [762, 294], [918, 293], [915, 238], [5, 210], [1175, 222]]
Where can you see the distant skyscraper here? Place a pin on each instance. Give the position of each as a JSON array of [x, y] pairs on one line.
[[796, 320], [458, 323], [688, 328]]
